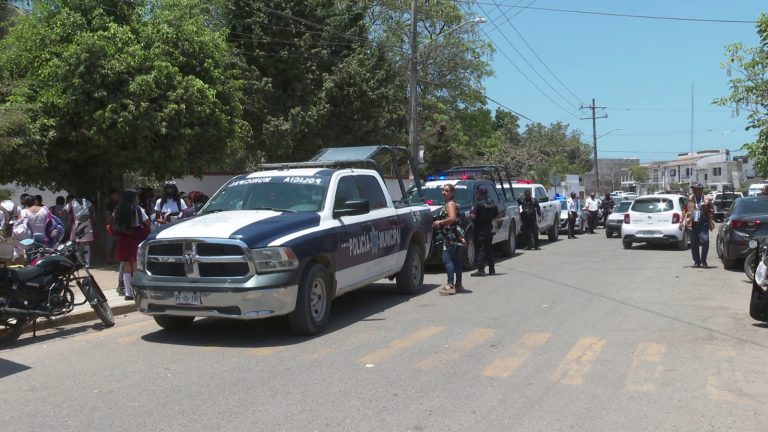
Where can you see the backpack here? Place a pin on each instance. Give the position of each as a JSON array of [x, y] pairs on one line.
[[6, 218], [54, 230], [80, 207]]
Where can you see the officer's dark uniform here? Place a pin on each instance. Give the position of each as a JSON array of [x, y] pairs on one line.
[[484, 212], [529, 211]]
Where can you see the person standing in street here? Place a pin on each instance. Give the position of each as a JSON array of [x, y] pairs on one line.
[[482, 215], [592, 206], [699, 220], [111, 243], [448, 234], [607, 206], [131, 225], [573, 210], [530, 211]]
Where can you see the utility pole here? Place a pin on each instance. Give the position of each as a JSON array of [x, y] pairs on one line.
[[594, 118], [413, 124]]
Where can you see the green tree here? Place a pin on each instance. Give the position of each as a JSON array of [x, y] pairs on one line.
[[639, 173], [748, 68], [315, 78], [542, 151], [108, 87]]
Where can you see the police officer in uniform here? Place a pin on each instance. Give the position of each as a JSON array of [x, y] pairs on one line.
[[482, 215], [530, 211]]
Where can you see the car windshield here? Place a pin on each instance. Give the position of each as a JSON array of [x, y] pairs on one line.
[[751, 206], [622, 207], [517, 192], [283, 193], [433, 194], [652, 205]]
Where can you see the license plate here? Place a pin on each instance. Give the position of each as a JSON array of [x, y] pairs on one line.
[[188, 298]]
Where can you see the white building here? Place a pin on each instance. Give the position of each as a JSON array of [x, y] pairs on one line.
[[711, 168]]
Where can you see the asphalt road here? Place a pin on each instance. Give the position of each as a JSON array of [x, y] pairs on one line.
[[582, 335]]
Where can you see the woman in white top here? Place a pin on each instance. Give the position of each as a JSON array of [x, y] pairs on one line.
[[37, 217], [170, 204]]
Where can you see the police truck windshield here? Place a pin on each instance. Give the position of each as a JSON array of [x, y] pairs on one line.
[[278, 193]]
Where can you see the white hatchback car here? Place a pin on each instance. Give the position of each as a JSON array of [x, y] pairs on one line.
[[655, 219]]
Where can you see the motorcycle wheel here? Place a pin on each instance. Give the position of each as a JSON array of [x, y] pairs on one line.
[[11, 329], [750, 266], [98, 301]]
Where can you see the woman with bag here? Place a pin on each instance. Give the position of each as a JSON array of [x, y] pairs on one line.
[[449, 234], [131, 227]]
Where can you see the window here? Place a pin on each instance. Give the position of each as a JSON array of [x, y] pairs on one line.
[[716, 172], [705, 177], [687, 172], [652, 205], [540, 194], [492, 195], [346, 191], [371, 190]]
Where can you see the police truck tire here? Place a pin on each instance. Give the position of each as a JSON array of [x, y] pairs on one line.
[[410, 278], [627, 244], [172, 323], [468, 254], [510, 246], [554, 232], [313, 301]]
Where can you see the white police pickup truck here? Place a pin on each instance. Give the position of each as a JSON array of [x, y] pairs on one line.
[[284, 241]]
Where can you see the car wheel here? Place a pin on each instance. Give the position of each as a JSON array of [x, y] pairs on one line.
[[608, 233], [627, 244], [313, 303], [719, 247], [683, 243], [469, 251], [554, 232], [728, 264], [510, 246], [411, 277]]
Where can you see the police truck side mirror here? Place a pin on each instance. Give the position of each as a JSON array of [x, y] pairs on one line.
[[353, 208]]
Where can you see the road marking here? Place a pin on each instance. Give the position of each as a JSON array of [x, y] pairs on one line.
[[401, 344], [520, 351], [645, 374], [116, 330], [579, 361], [331, 347], [723, 382], [473, 339]]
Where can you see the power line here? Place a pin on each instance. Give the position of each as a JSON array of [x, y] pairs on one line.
[[526, 76], [509, 109], [509, 21], [650, 17]]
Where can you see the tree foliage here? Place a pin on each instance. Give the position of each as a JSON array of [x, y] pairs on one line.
[[106, 87], [748, 68], [540, 151]]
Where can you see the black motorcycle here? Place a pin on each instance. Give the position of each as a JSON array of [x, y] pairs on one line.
[[43, 290], [754, 258]]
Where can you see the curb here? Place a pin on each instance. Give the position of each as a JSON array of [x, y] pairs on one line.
[[79, 317]]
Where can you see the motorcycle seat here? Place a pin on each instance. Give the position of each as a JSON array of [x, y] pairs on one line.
[[25, 274]]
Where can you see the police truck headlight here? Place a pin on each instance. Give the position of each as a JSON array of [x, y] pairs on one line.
[[274, 259], [141, 255]]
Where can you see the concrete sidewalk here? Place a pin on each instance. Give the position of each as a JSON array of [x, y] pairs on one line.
[[106, 277]]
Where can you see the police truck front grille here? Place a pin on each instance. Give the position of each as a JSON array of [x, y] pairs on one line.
[[199, 259]]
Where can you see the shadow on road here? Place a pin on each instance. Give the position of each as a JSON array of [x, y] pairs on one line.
[[357, 306]]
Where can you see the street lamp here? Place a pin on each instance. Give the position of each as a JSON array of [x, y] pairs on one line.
[[413, 108]]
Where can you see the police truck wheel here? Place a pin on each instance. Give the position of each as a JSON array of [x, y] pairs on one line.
[[469, 252], [172, 323], [554, 232], [410, 278], [627, 244], [313, 302], [510, 246]]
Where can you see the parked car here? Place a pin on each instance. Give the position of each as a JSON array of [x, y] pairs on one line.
[[579, 226], [655, 219], [616, 219], [724, 200], [747, 218], [755, 189], [505, 229], [629, 196]]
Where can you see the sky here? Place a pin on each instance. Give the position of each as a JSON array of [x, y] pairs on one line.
[[641, 70]]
